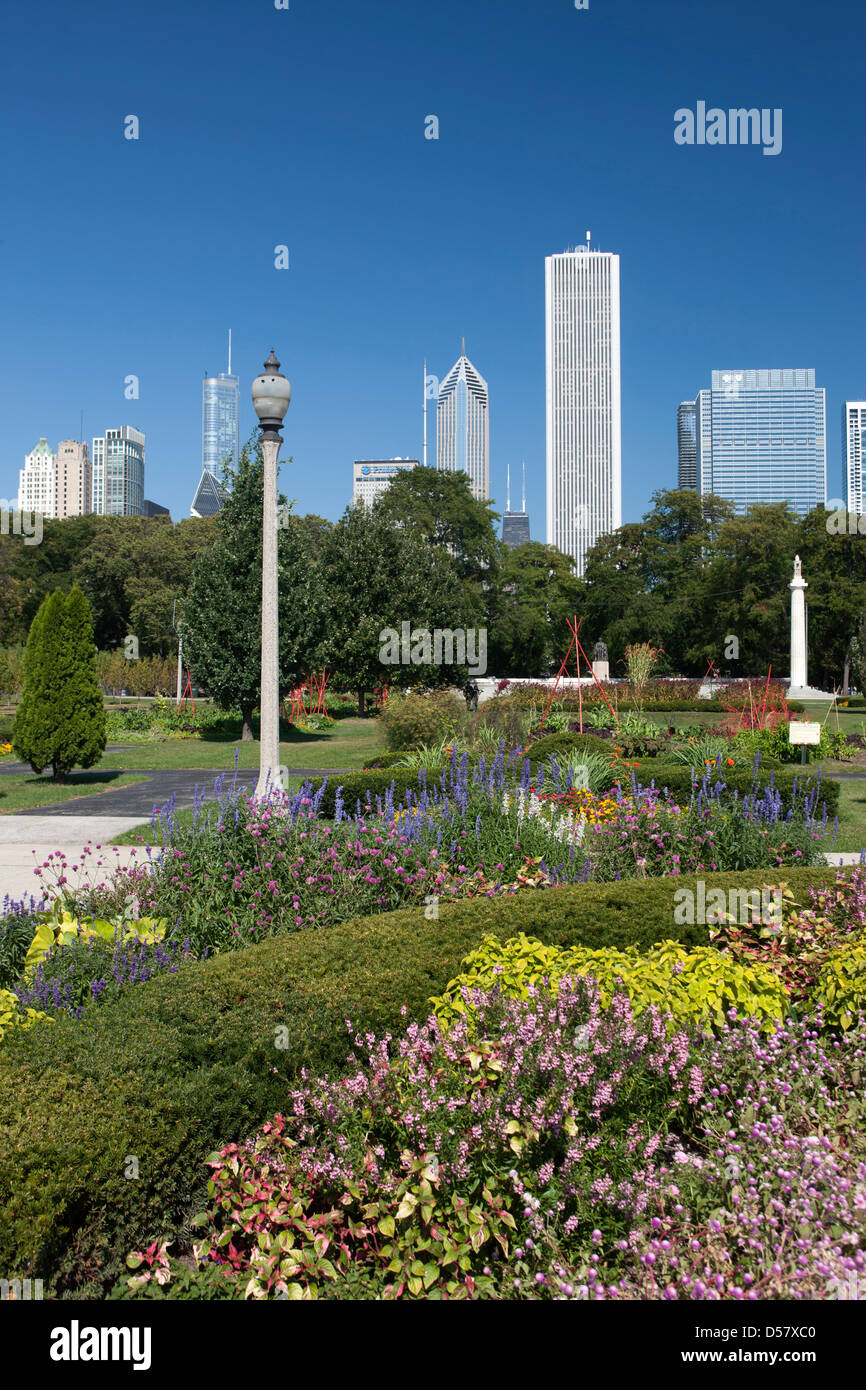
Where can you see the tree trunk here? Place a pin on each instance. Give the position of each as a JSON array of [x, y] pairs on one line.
[[846, 678], [361, 706], [246, 725]]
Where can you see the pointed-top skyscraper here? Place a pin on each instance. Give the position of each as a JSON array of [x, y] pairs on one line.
[[463, 426]]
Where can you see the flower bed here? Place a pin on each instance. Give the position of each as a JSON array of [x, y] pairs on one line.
[[558, 1149]]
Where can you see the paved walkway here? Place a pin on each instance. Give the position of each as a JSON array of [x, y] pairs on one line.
[[25, 845], [141, 798]]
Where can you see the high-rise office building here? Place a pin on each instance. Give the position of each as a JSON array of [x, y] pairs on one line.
[[687, 444], [220, 418], [372, 477], [37, 481], [515, 525], [761, 437], [118, 472], [220, 437], [463, 426], [853, 428], [584, 436], [74, 479]]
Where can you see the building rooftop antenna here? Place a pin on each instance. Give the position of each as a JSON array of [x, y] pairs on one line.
[[230, 352], [523, 509], [424, 455], [508, 490]]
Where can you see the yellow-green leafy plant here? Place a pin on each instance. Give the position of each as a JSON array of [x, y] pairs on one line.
[[697, 987], [63, 927], [13, 1017], [841, 986]]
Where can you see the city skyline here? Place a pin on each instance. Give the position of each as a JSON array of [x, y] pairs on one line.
[[708, 278]]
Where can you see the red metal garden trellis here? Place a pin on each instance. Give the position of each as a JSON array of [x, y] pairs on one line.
[[574, 628], [187, 691]]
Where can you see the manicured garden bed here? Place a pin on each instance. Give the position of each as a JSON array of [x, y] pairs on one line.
[[197, 1058]]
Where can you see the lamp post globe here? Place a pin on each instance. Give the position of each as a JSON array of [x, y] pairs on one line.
[[271, 394]]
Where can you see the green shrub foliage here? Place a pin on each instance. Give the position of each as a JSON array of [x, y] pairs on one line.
[[60, 722]]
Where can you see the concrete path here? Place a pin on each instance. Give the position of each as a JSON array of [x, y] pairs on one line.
[[26, 843]]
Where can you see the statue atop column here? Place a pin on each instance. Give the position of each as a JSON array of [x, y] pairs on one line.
[[600, 662]]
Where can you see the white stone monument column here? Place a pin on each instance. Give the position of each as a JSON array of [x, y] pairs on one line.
[[799, 659]]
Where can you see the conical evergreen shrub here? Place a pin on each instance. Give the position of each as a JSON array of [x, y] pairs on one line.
[[60, 722]]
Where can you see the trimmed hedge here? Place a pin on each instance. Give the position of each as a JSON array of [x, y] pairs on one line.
[[189, 1061], [678, 780], [364, 786], [677, 777], [563, 744], [385, 760], [648, 706]]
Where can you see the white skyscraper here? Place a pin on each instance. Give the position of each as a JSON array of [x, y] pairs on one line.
[[37, 481], [584, 436], [463, 426], [853, 429]]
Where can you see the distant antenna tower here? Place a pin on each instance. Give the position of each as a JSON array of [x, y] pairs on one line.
[[508, 491], [523, 508], [588, 239], [230, 352], [425, 413]]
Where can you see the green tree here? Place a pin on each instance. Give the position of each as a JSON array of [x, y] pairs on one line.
[[439, 509], [377, 577], [60, 722], [536, 595], [221, 615]]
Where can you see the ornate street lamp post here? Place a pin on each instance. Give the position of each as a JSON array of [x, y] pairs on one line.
[[271, 395]]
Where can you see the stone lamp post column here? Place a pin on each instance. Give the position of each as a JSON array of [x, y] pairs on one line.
[[271, 394], [799, 656]]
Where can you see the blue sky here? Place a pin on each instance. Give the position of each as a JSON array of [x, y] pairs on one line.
[[306, 127]]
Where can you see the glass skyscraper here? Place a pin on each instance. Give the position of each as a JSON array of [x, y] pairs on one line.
[[463, 426], [687, 444], [220, 417], [584, 434], [220, 437], [118, 472], [761, 437]]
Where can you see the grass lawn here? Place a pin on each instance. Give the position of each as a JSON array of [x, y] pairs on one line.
[[349, 744], [25, 791], [852, 817]]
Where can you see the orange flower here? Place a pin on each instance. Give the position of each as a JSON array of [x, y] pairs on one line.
[[730, 762]]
